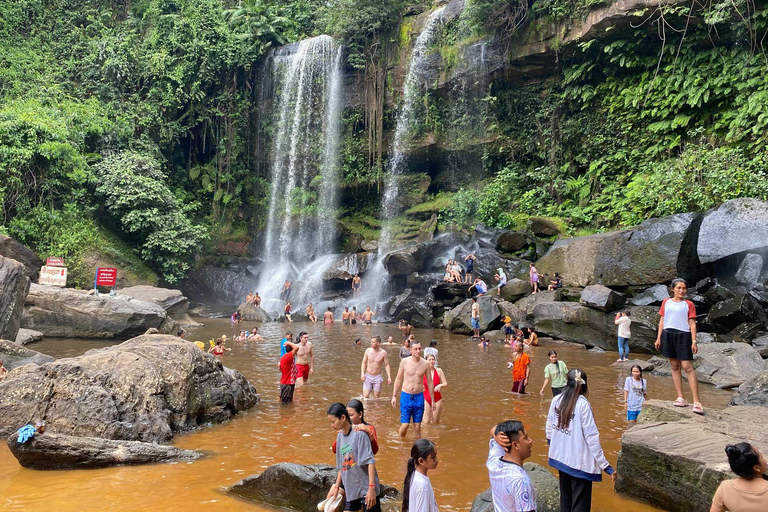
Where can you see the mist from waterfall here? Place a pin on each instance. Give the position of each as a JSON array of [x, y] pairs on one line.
[[301, 233]]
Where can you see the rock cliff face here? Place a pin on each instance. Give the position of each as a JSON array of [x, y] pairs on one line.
[[14, 285], [144, 389]]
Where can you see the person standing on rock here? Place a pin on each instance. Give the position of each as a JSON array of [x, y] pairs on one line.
[[501, 277], [511, 487], [370, 371], [475, 318], [623, 320], [677, 341], [748, 492], [555, 372], [574, 445], [534, 279], [410, 376], [311, 313], [305, 360], [470, 261], [288, 372], [288, 312], [357, 285], [418, 495], [355, 463], [285, 292]]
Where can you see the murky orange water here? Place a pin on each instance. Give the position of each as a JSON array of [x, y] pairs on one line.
[[477, 397]]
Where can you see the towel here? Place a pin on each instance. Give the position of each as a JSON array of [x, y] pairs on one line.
[[26, 433]]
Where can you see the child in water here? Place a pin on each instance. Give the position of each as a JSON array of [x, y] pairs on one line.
[[635, 392]]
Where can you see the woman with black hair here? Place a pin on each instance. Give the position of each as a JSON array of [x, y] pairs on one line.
[[574, 444], [354, 460], [356, 413], [418, 495], [749, 492]]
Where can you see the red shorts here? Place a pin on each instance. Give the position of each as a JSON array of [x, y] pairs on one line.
[[302, 371], [518, 387]]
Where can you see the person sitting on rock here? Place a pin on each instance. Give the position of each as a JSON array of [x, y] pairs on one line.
[[555, 283], [501, 278], [532, 340], [748, 492], [311, 313], [448, 278], [249, 298], [3, 371], [256, 300], [479, 286]]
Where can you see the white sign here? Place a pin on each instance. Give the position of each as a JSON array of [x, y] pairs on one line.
[[55, 276]]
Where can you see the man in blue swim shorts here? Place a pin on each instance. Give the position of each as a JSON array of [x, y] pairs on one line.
[[410, 376]]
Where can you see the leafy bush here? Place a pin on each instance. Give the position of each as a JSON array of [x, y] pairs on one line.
[[136, 195]]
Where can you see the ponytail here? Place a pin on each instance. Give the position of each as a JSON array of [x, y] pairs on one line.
[[576, 387], [421, 449]]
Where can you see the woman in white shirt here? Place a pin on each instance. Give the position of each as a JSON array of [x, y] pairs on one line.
[[418, 495], [677, 341], [623, 321]]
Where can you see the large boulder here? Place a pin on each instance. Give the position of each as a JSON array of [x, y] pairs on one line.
[[724, 365], [528, 304], [210, 284], [68, 313], [654, 295], [14, 355], [547, 491], [515, 289], [489, 261], [730, 313], [511, 241], [253, 313], [422, 256], [600, 297], [733, 227], [459, 319], [57, 451], [542, 226], [761, 345], [571, 321], [678, 465], [25, 336], [294, 486], [655, 251], [750, 270], [172, 301], [14, 285], [346, 266], [141, 390], [753, 391], [10, 248]]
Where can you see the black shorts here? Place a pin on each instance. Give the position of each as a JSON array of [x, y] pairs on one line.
[[359, 504], [286, 393], [676, 345], [557, 391]]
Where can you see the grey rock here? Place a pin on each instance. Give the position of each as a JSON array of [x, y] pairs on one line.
[[14, 355], [653, 252], [547, 491], [355, 243], [731, 313], [761, 345], [294, 486], [421, 256], [724, 365], [172, 301], [753, 391], [596, 350], [743, 333], [459, 319], [600, 297], [515, 314], [495, 336], [143, 389], [209, 284], [541, 226], [28, 336], [708, 337], [735, 226], [64, 312], [511, 241], [489, 261], [57, 451], [14, 285], [678, 465], [253, 313], [370, 245], [515, 289], [347, 265], [645, 366], [10, 248], [750, 270], [651, 297], [528, 303]]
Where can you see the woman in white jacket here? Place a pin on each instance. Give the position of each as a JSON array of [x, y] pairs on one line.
[[574, 445]]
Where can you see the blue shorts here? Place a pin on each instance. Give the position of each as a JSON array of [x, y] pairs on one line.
[[411, 405], [632, 415], [475, 323]]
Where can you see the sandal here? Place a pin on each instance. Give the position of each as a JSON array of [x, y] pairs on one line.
[[680, 402], [698, 408]]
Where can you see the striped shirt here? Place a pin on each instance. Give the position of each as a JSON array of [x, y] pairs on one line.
[[511, 486]]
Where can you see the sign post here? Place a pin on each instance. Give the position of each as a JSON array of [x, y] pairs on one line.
[[54, 276], [105, 277]]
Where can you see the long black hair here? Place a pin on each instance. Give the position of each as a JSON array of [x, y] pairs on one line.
[[421, 449], [641, 375], [557, 366], [339, 410], [357, 405], [743, 458], [576, 386]]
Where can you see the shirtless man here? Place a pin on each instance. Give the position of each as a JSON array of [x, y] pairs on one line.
[[405, 327], [410, 375], [367, 315], [357, 284], [370, 370], [249, 298], [311, 313], [345, 316], [390, 341], [328, 317], [305, 360], [257, 300], [475, 318]]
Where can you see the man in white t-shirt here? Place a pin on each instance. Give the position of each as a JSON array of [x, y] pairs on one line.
[[511, 487]]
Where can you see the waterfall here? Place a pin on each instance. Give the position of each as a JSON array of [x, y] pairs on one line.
[[404, 121], [300, 231]]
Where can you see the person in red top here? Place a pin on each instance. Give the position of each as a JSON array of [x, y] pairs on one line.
[[356, 415], [438, 378], [521, 369], [677, 341], [288, 372]]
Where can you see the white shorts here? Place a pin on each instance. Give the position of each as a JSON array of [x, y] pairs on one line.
[[373, 382]]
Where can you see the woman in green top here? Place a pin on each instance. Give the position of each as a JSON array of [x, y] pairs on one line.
[[557, 372]]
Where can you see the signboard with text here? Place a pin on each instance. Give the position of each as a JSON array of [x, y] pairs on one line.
[[106, 276], [55, 262], [54, 276]]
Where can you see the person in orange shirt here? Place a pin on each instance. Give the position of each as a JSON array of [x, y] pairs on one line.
[[521, 369]]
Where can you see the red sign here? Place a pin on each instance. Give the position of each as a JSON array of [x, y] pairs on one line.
[[55, 262], [106, 276]]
